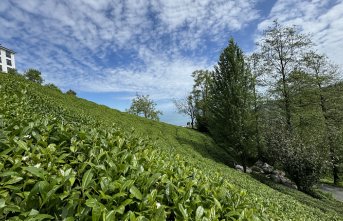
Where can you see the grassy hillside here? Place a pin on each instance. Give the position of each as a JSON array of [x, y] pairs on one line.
[[66, 158]]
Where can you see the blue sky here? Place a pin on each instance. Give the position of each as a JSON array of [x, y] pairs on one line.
[[109, 50]]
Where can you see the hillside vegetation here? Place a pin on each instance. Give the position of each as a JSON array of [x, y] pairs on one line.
[[66, 158]]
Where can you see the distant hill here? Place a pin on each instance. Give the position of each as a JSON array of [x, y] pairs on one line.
[[66, 158]]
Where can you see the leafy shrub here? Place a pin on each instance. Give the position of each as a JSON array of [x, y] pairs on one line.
[[302, 162], [71, 92], [52, 169], [52, 86]]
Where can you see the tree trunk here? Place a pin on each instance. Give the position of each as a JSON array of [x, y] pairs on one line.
[[287, 100], [335, 171]]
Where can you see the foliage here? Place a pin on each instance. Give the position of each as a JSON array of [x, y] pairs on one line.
[[142, 105], [187, 106], [324, 74], [230, 104], [52, 86], [34, 76], [62, 157], [281, 49], [12, 71], [303, 164], [71, 92], [200, 96], [300, 118]]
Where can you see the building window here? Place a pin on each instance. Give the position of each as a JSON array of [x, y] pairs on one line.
[[0, 60], [8, 54], [9, 62], [0, 68]]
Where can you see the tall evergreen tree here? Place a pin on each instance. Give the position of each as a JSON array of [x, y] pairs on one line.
[[231, 104]]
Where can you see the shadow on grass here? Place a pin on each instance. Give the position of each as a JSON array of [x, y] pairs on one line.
[[206, 148]]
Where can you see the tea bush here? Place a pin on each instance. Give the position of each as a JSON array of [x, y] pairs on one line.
[[63, 158]]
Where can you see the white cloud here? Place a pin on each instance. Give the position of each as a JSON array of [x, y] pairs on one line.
[[162, 78], [71, 41]]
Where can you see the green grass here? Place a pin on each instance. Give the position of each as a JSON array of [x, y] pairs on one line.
[[63, 157], [323, 201], [329, 181]]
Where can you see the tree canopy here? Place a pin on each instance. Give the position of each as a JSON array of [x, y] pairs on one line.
[[34, 76], [143, 106]]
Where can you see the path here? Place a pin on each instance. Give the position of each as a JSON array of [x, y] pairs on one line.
[[337, 192]]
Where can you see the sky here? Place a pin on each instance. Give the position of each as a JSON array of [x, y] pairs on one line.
[[110, 50]]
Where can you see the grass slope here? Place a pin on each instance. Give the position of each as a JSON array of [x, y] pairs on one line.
[[66, 158]]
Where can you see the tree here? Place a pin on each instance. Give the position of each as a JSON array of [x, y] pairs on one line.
[[281, 50], [200, 93], [230, 104], [34, 76], [54, 87], [71, 92], [324, 75], [143, 106], [294, 132], [256, 69], [12, 71], [187, 106]]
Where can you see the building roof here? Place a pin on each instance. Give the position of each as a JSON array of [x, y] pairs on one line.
[[7, 49]]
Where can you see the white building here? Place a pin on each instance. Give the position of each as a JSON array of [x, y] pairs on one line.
[[6, 59]]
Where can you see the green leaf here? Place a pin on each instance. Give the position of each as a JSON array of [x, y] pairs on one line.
[[41, 217], [110, 216], [199, 213], [87, 179], [9, 173], [136, 193], [14, 180], [132, 216], [22, 145], [217, 203], [91, 203], [183, 211], [160, 214], [96, 213], [36, 171], [2, 203], [33, 212]]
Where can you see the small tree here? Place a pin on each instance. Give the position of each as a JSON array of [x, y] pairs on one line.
[[12, 71], [71, 92], [143, 106], [200, 96], [34, 76], [52, 86], [187, 106]]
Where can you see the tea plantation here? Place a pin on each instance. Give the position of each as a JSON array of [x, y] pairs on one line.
[[65, 158]]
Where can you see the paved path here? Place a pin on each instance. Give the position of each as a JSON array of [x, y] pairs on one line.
[[337, 192]]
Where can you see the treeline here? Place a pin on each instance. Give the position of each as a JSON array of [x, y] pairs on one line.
[[282, 105], [35, 76]]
